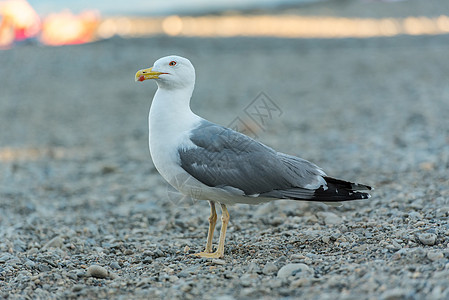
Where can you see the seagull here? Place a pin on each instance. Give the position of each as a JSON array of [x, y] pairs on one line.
[[210, 162]]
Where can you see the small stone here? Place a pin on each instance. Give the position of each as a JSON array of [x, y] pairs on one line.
[[230, 275], [277, 221], [55, 242], [30, 264], [275, 283], [397, 255], [80, 273], [428, 239], [217, 261], [299, 283], [5, 257], [294, 270], [442, 212], [108, 170], [186, 288], [326, 239], [143, 282], [269, 268], [72, 275], [114, 265], [19, 245], [330, 218], [77, 288], [361, 248], [434, 255], [97, 271], [414, 215], [43, 268], [246, 280], [128, 252], [396, 294], [186, 249], [427, 166], [225, 297], [253, 268], [247, 292]]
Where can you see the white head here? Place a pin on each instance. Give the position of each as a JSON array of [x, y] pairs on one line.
[[170, 72]]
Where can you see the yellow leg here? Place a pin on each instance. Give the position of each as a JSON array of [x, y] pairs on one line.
[[224, 225], [212, 222]]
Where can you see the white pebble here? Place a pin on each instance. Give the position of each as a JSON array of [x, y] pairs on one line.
[[218, 261], [428, 238]]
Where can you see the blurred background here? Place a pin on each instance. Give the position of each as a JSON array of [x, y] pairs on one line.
[[72, 22]]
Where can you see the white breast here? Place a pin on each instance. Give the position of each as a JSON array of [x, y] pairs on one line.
[[169, 127]]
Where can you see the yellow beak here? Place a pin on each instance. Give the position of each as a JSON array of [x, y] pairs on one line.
[[145, 74]]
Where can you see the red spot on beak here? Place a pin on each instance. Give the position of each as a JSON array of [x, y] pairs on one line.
[[141, 78]]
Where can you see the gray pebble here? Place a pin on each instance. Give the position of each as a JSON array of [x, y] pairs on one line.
[[55, 242], [325, 239], [43, 267], [217, 261], [299, 283], [112, 275], [396, 294], [5, 257], [143, 282], [415, 215], [269, 268], [72, 275], [253, 268], [427, 238], [275, 283], [115, 265], [330, 218], [247, 292], [186, 288], [80, 273], [294, 270], [97, 272], [77, 287], [246, 280], [297, 256], [30, 264], [225, 297], [19, 245], [435, 255]]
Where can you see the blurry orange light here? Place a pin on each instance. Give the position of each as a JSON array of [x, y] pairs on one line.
[[66, 28], [18, 21]]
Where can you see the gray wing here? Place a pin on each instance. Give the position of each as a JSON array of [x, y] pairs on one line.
[[223, 157]]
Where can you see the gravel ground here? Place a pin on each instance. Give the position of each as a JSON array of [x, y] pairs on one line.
[[85, 214]]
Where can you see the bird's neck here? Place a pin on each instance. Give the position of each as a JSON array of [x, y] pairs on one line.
[[170, 111]]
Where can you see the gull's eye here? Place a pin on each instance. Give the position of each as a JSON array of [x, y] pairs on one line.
[[172, 63]]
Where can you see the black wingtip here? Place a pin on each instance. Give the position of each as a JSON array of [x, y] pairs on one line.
[[361, 187], [339, 190], [336, 194], [336, 190], [347, 184]]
